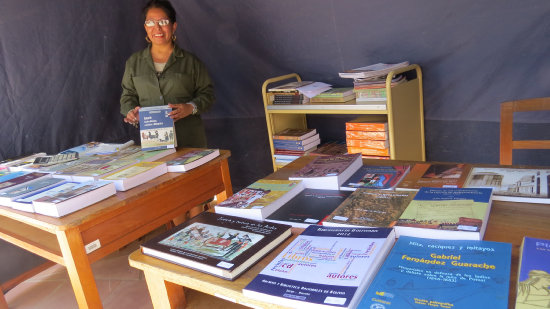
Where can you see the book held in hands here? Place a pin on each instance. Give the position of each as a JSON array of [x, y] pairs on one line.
[[328, 172], [192, 159], [224, 246], [323, 267], [156, 128]]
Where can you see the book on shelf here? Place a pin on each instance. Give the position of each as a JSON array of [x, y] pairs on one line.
[[512, 184], [368, 151], [294, 134], [373, 70], [9, 197], [220, 245], [69, 197], [383, 177], [446, 213], [435, 175], [136, 174], [288, 146], [98, 148], [370, 208], [377, 82], [323, 267], [192, 159], [290, 87], [260, 199], [336, 100], [338, 92], [287, 98], [310, 206], [328, 172], [371, 93], [156, 128], [367, 123], [533, 280], [94, 169], [314, 89], [365, 143], [300, 142], [14, 179], [294, 152], [367, 135], [434, 273]]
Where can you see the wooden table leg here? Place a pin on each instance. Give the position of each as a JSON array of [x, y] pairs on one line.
[[164, 294], [226, 178], [79, 269]]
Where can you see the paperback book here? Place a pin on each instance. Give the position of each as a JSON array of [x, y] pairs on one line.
[[370, 208], [136, 174], [512, 184], [98, 148], [192, 159], [328, 172], [23, 178], [156, 128], [224, 246], [151, 155], [533, 287], [260, 199], [435, 175], [294, 134], [373, 70], [94, 169], [310, 206], [376, 177], [446, 213], [305, 147], [9, 197], [324, 267], [434, 273], [289, 142]]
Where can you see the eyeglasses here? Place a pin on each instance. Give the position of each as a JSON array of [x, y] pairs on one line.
[[160, 22]]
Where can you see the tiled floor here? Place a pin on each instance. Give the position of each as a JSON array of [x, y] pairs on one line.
[[120, 286]]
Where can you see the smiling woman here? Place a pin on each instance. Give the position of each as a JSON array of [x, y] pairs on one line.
[[165, 74]]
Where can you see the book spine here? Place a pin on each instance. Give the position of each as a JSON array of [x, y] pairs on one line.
[[362, 143], [369, 151], [366, 135], [367, 126]]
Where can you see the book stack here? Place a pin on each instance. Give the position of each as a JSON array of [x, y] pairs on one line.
[[373, 91], [369, 137], [335, 95], [291, 144], [288, 93]]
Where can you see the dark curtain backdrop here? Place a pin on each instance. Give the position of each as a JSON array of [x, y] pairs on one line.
[[61, 63]]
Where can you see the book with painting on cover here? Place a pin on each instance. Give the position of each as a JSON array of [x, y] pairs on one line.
[[370, 208], [446, 213], [69, 197], [156, 128], [9, 197], [512, 184], [384, 177], [220, 245], [294, 134], [533, 282], [323, 267], [310, 206], [373, 70], [192, 159], [434, 273], [136, 174], [435, 175], [260, 199], [328, 172]]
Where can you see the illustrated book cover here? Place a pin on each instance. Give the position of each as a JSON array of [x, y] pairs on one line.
[[512, 184], [434, 273], [9, 197], [533, 286], [435, 175], [370, 208], [156, 128], [260, 199], [192, 159], [328, 172], [376, 177], [224, 246], [136, 174], [94, 169], [446, 213], [308, 207], [23, 178], [323, 267]]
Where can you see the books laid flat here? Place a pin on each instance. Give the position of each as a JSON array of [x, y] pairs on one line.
[[324, 267], [136, 174], [534, 274], [512, 184], [94, 169], [294, 134], [260, 199], [9, 197], [156, 128], [431, 273], [98, 148], [446, 213], [192, 159], [370, 208], [289, 142], [224, 246], [373, 70], [305, 147], [23, 178], [310, 206], [435, 175], [328, 172], [151, 155], [69, 197], [376, 177]]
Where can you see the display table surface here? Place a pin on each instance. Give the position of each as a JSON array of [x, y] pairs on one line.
[[109, 225], [508, 222]]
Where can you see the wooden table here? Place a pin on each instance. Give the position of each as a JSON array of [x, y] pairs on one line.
[[114, 222], [508, 222]]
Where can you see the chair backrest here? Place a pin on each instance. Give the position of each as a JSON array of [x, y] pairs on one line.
[[507, 143]]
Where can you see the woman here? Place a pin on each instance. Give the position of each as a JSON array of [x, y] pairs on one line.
[[164, 74]]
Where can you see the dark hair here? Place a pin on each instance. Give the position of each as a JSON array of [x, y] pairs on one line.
[[164, 5]]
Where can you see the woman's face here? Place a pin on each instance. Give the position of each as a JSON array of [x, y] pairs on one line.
[[157, 33]]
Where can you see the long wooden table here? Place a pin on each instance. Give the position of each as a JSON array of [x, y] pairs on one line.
[[109, 225], [508, 222]]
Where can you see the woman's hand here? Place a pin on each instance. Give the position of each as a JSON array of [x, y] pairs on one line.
[[133, 116], [180, 110]]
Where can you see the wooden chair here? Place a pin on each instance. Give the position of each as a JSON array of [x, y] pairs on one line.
[[507, 143]]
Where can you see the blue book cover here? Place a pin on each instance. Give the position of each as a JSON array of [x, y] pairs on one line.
[[431, 273], [156, 128], [329, 266], [533, 288]]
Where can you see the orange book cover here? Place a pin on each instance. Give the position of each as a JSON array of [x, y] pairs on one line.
[[369, 151], [368, 135], [364, 143], [367, 124]]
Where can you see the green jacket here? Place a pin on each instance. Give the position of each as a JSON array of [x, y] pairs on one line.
[[184, 79]]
